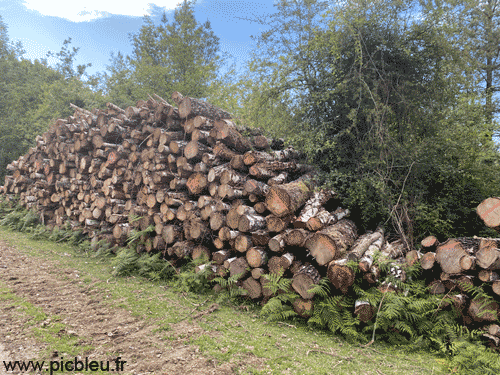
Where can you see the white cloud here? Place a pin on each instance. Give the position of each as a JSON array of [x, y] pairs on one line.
[[79, 11]]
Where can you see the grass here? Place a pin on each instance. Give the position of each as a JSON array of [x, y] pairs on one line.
[[230, 333], [44, 328]]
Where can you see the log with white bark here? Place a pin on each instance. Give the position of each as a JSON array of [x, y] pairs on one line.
[[305, 279], [332, 242]]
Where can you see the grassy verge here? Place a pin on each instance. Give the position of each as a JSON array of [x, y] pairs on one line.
[[229, 331], [48, 329]]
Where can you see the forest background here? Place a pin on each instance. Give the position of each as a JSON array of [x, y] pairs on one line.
[[395, 101]]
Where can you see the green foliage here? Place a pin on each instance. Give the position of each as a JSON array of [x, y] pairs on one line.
[[467, 358], [279, 307], [19, 219], [125, 262], [231, 291], [181, 55], [154, 268], [334, 312], [33, 94], [186, 279], [66, 58], [376, 99], [136, 237]]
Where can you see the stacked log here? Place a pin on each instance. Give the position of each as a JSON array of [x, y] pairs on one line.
[[453, 268], [189, 173], [196, 188]]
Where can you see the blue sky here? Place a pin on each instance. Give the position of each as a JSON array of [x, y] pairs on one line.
[[99, 27]]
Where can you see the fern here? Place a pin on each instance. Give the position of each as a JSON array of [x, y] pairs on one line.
[[135, 236], [125, 262], [231, 291], [154, 268], [187, 280], [467, 358], [335, 314]]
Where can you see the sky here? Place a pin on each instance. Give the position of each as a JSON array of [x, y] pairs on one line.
[[100, 27]]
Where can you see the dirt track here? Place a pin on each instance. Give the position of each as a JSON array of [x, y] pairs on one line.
[[59, 292]]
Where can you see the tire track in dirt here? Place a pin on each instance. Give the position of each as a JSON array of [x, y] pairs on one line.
[[109, 330]]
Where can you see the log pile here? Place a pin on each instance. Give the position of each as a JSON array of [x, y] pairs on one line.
[[454, 267], [212, 190]]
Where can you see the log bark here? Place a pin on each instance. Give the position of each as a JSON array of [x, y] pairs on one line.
[[219, 257], [488, 255], [242, 243], [324, 218], [481, 310], [332, 242], [253, 287], [191, 107], [448, 256], [341, 276], [304, 280], [256, 187], [197, 183], [237, 266], [251, 223], [256, 257], [364, 311], [230, 136], [277, 243], [428, 260], [313, 206], [278, 264], [366, 262], [489, 211], [303, 307], [286, 199], [429, 243], [363, 243], [297, 237], [277, 224]]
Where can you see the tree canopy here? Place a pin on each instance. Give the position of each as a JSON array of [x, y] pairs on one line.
[[393, 100], [376, 97], [178, 55]]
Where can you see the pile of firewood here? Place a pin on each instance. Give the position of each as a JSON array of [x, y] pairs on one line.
[[226, 193], [453, 267]]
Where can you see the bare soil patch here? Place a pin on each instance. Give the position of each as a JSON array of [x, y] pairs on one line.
[[110, 331]]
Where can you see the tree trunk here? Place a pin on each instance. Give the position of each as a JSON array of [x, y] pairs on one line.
[[332, 242], [297, 237], [191, 107], [231, 137], [363, 243], [429, 243], [256, 257], [253, 287], [340, 275], [428, 260], [303, 307], [364, 311], [285, 199], [481, 310], [488, 255], [304, 280], [489, 211], [448, 256], [313, 206]]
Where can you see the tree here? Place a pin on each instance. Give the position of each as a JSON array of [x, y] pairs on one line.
[[376, 101], [32, 94], [181, 55], [66, 58], [472, 28], [4, 39]]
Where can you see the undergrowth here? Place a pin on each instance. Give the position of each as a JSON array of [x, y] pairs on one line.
[[408, 317]]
